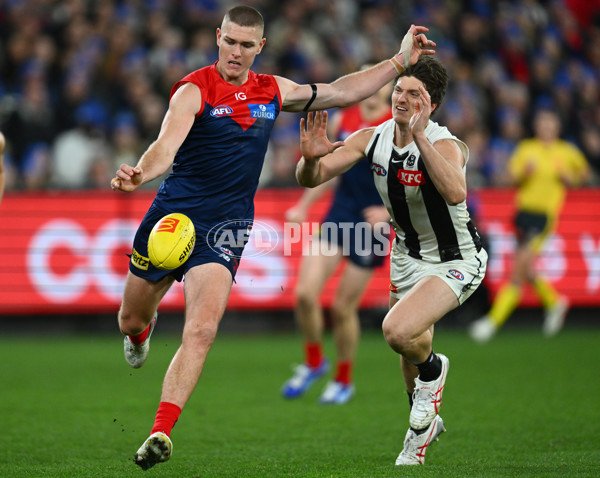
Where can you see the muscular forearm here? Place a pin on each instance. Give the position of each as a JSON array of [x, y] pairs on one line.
[[307, 173], [155, 161], [352, 88], [449, 179]]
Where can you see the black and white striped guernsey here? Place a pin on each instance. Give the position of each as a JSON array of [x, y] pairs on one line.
[[426, 226]]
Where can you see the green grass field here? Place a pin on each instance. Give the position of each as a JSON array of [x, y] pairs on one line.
[[519, 406]]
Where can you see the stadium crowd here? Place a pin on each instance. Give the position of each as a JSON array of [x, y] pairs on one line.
[[84, 83]]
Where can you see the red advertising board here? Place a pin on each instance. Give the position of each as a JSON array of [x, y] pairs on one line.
[[65, 252]]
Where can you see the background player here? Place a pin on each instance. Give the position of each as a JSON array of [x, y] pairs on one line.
[[355, 201], [437, 260], [541, 167], [215, 135]]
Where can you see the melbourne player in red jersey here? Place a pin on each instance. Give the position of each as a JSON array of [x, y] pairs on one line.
[[214, 135]]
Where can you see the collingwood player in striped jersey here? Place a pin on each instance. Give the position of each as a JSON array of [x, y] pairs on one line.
[[437, 260]]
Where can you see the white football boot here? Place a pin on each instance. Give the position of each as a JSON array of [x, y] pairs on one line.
[[304, 377], [136, 355], [427, 398], [482, 330], [415, 445], [554, 318], [156, 449], [337, 393]]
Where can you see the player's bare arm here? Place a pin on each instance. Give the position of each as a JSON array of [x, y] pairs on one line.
[[352, 88], [159, 156], [322, 160], [444, 159]]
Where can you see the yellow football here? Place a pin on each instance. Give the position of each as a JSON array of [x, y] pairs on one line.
[[171, 241]]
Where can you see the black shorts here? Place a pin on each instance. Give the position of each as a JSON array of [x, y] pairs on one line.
[[528, 225]]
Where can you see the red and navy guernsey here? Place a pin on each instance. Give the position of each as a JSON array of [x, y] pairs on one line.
[[215, 172]]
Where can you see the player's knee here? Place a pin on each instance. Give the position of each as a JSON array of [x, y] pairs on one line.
[[306, 299], [201, 333], [398, 337], [131, 323], [342, 310]]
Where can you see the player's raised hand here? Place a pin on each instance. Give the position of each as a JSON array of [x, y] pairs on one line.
[[128, 178], [414, 44], [314, 143], [420, 118]]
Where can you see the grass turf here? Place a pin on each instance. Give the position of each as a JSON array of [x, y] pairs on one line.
[[518, 406]]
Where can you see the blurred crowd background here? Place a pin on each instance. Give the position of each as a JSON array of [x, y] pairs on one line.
[[84, 84]]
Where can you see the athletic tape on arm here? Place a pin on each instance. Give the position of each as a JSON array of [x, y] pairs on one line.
[[312, 98]]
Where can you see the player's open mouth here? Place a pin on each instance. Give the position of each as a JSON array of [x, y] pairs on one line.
[[401, 108], [235, 63]]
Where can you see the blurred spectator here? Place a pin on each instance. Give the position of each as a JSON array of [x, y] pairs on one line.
[[505, 59], [80, 157], [125, 140]]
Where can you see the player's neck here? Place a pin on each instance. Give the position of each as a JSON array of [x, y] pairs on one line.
[[237, 80], [402, 135]]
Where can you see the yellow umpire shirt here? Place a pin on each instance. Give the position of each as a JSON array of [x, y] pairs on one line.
[[542, 191]]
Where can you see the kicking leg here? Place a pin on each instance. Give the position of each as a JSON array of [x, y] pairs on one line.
[[207, 290]]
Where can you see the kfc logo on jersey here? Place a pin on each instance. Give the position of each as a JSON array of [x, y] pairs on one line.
[[378, 169], [411, 178], [221, 110]]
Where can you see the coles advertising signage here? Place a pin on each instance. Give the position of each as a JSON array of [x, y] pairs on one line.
[[66, 252]]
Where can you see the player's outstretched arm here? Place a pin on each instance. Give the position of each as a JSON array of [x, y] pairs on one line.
[[352, 88], [323, 160], [159, 156]]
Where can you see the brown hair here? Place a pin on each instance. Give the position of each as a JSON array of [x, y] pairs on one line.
[[433, 75], [245, 16]]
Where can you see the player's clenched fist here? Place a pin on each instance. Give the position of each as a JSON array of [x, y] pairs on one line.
[[128, 178]]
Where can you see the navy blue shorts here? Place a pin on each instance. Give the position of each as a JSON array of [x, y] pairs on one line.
[[529, 225], [356, 238], [203, 253]]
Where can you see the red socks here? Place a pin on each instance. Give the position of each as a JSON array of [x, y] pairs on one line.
[[166, 417], [344, 372], [313, 353], [139, 338]]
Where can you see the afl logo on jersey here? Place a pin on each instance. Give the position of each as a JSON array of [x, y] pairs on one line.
[[456, 274], [221, 110], [378, 169]]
